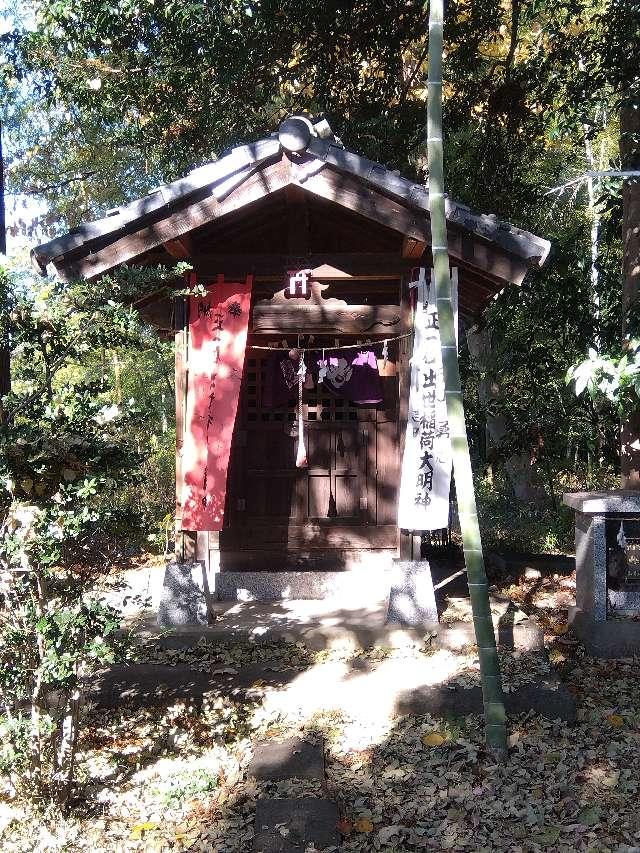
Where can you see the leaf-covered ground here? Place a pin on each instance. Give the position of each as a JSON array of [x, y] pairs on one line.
[[174, 778]]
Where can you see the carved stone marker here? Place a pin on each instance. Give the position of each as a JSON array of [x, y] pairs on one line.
[[185, 595], [607, 559]]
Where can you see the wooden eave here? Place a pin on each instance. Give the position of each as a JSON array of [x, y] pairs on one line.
[[255, 209], [171, 224]]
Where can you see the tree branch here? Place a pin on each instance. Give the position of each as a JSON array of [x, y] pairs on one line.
[[515, 20], [597, 173], [57, 186], [413, 75]]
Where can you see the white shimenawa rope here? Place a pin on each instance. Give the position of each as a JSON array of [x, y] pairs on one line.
[[361, 345]]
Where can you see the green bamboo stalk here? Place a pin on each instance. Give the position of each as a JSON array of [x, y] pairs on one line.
[[493, 699]]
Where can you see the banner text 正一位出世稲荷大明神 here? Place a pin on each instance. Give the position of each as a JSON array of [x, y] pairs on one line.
[[425, 479]]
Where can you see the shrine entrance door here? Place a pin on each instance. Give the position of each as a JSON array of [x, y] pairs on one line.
[[329, 515]]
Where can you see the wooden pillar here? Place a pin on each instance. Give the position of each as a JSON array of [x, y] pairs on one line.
[[185, 545], [405, 346]]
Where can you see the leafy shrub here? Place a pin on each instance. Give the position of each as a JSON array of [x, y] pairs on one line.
[[546, 527], [510, 525], [184, 786], [66, 444]]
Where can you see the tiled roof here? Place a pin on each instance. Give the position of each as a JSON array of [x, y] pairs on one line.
[[301, 136]]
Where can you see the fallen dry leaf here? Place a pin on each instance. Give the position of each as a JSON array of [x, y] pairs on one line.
[[405, 798], [139, 829], [345, 827], [433, 739]]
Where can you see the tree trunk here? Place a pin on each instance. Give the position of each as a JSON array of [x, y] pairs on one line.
[[5, 374], [39, 598], [117, 377], [495, 718], [595, 230], [3, 224], [67, 752], [518, 467], [5, 371], [630, 156]]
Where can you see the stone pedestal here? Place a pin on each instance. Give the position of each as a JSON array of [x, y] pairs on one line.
[[186, 595], [412, 601], [598, 516]]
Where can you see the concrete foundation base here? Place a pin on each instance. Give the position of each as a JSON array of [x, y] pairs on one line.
[[351, 587], [524, 636], [412, 600], [185, 596], [610, 639]]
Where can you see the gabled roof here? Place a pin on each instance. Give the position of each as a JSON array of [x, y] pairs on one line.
[[95, 247]]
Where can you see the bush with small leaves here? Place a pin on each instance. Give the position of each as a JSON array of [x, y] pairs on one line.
[[65, 448]]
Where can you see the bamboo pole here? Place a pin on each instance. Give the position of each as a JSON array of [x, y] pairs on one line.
[[494, 712]]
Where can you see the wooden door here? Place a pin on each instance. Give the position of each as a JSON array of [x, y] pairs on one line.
[[337, 504]]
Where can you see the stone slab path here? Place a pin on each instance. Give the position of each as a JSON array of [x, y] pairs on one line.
[[291, 825], [294, 758]]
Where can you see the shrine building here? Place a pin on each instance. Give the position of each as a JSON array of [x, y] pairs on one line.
[[292, 349]]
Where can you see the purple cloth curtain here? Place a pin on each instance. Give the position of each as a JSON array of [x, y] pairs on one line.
[[352, 374]]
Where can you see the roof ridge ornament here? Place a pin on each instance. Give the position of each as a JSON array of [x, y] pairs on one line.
[[295, 132]]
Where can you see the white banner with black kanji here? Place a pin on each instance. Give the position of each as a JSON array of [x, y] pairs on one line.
[[426, 463]]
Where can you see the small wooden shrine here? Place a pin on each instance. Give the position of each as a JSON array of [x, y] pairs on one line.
[[302, 248]]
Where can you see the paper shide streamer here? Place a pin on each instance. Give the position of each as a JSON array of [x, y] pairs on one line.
[[301, 455]]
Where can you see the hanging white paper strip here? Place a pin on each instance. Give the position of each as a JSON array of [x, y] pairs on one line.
[[423, 503]]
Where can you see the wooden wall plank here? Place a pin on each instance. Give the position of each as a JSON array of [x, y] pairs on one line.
[[354, 196], [332, 266], [180, 248], [298, 316], [412, 249], [404, 381], [313, 536]]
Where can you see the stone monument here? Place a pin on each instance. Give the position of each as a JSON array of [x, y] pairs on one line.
[[607, 610]]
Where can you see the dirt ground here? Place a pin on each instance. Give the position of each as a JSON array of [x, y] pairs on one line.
[[171, 775]]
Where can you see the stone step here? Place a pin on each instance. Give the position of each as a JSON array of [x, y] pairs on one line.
[[292, 825], [526, 635], [356, 586], [152, 685], [294, 758]]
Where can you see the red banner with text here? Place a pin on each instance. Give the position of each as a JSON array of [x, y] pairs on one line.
[[218, 325]]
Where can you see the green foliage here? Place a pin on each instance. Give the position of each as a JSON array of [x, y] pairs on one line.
[[173, 85], [614, 378], [67, 442], [547, 528], [104, 100], [185, 786]]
